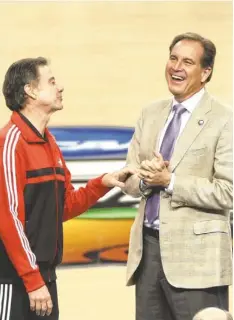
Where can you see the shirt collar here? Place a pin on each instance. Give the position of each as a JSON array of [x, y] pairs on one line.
[[28, 131], [191, 103]]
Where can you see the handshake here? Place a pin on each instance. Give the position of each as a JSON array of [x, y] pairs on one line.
[[155, 172]]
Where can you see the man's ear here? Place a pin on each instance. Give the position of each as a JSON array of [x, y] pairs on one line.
[[30, 91], [205, 74]]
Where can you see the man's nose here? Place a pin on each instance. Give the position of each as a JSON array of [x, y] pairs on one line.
[[177, 65]]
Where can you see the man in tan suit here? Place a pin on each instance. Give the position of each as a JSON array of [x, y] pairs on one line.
[[180, 242]]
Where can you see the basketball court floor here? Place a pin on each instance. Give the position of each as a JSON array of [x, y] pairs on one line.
[[93, 293]]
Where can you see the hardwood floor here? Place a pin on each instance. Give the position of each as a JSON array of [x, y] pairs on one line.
[[97, 293]]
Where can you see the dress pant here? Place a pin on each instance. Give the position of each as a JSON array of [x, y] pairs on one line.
[[156, 299]]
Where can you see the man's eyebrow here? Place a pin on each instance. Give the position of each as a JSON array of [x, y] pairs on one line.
[[51, 79]]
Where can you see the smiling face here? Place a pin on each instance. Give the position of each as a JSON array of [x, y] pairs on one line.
[[184, 73]]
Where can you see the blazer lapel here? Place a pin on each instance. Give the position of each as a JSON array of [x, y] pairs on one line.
[[156, 128], [195, 125]]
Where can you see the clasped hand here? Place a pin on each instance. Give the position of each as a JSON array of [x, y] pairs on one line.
[[155, 172]]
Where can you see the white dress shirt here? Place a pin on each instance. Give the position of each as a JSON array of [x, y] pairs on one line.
[[190, 104]]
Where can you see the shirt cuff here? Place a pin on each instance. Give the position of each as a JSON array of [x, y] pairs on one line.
[[169, 189]]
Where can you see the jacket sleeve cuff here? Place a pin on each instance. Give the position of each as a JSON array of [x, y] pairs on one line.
[[97, 182], [33, 281]]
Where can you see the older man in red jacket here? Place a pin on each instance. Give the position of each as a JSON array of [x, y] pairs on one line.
[[36, 194]]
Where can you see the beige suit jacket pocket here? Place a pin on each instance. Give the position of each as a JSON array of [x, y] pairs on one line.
[[211, 226], [197, 151]]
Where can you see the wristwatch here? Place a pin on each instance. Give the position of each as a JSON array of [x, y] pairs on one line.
[[145, 190]]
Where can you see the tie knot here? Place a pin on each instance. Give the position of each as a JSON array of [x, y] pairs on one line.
[[179, 108]]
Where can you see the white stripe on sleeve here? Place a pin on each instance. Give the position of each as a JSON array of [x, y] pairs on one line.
[[12, 138]]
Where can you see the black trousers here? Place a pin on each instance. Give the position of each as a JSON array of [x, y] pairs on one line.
[[156, 299], [14, 303]]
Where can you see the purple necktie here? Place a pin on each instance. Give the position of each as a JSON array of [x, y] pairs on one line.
[[166, 149]]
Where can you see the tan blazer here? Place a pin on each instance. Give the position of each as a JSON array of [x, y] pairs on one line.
[[195, 235]]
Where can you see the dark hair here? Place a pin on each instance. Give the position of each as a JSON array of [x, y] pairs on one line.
[[19, 74], [208, 57]]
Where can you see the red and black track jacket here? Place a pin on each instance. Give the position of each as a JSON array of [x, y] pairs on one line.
[[36, 196]]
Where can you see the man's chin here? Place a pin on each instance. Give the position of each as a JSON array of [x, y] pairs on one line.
[[176, 92], [57, 108]]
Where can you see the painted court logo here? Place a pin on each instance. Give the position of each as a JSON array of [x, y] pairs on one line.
[[89, 152], [93, 142]]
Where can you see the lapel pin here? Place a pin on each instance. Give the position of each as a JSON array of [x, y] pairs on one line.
[[200, 122]]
